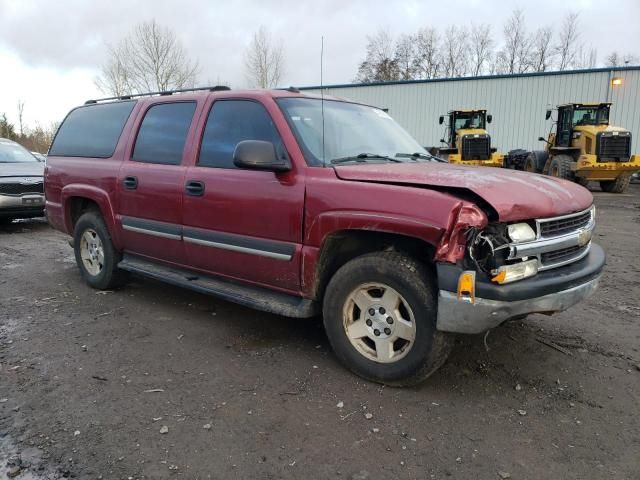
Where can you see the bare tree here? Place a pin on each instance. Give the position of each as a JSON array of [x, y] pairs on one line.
[[114, 78], [21, 116], [150, 58], [380, 64], [404, 56], [481, 46], [455, 51], [585, 57], [567, 47], [542, 53], [427, 61], [514, 57], [616, 59], [264, 60]]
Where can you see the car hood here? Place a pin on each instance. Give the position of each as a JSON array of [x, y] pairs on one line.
[[22, 169], [514, 195]]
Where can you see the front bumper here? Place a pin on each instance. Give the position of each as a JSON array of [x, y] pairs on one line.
[[548, 292], [22, 206]]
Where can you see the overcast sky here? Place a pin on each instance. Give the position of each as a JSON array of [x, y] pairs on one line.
[[51, 51]]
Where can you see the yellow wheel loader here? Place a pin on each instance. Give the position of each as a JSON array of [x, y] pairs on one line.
[[467, 140], [583, 147]]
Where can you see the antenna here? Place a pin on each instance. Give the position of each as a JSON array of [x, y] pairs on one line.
[[322, 97]]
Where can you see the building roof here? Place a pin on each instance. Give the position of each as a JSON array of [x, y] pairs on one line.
[[481, 77]]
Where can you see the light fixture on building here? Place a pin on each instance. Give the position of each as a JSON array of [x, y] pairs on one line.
[[616, 81]]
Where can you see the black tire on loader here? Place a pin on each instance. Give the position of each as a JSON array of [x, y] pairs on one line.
[[560, 167], [619, 185]]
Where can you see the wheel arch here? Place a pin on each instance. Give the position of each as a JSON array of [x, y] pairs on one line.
[[341, 246], [78, 199]]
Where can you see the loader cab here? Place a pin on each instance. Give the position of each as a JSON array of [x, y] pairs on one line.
[[573, 115], [459, 121]]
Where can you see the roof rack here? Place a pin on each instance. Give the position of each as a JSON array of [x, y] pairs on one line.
[[217, 88]]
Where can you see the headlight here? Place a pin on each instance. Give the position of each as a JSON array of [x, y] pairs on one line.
[[521, 232], [517, 271]]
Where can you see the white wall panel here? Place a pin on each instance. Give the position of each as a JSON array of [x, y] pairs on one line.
[[517, 103]]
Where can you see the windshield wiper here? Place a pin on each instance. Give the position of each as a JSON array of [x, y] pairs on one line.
[[363, 157], [416, 155]]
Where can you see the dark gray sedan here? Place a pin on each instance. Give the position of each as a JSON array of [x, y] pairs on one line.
[[21, 182]]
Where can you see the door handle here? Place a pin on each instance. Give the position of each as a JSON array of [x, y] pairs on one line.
[[130, 183], [194, 188]]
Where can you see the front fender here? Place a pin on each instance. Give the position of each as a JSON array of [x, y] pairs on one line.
[[97, 195], [328, 223]]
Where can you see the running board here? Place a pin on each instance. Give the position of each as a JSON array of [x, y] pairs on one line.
[[247, 295]]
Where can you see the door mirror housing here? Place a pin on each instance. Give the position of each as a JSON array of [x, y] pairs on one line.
[[542, 139], [259, 155], [547, 115], [441, 120], [489, 118]]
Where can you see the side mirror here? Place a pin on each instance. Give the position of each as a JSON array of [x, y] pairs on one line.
[[489, 118], [259, 155], [542, 139], [442, 140], [441, 120], [548, 115]]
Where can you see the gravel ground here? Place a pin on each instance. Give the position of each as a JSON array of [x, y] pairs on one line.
[[155, 382]]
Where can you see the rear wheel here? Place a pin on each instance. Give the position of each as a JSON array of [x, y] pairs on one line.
[[380, 316], [560, 167], [95, 254], [618, 185]]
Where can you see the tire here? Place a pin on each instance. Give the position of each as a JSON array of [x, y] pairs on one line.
[[560, 167], [530, 164], [619, 185], [581, 181], [95, 254], [383, 274]]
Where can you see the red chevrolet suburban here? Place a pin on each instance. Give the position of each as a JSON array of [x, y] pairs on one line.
[[302, 206]]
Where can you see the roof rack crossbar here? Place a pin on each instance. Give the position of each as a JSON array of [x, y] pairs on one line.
[[216, 88]]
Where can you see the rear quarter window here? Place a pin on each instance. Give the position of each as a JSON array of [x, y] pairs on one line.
[[92, 130]]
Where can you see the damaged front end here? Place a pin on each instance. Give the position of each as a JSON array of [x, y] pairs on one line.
[[506, 270]]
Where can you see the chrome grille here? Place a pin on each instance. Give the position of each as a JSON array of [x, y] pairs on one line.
[[15, 188], [562, 255], [559, 240], [553, 228]]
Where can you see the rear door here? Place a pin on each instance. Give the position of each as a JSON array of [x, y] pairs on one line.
[[151, 181], [244, 224]]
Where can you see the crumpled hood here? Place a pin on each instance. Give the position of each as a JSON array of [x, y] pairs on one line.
[[22, 169], [513, 194]]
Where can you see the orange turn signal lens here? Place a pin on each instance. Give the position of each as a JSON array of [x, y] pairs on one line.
[[467, 286]]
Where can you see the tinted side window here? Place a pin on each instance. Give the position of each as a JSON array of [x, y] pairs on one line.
[[229, 123], [163, 133], [92, 131]]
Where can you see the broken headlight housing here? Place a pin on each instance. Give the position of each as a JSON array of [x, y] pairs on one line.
[[489, 250]]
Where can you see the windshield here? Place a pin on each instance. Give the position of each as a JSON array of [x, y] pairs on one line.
[[469, 120], [14, 153], [591, 116], [350, 130]]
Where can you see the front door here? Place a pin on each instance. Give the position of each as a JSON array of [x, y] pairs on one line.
[[242, 224], [151, 183], [563, 139]]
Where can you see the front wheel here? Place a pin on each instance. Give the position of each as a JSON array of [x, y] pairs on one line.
[[95, 254], [619, 185], [560, 167], [380, 316]]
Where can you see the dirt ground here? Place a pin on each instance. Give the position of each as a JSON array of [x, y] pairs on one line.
[[89, 381]]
